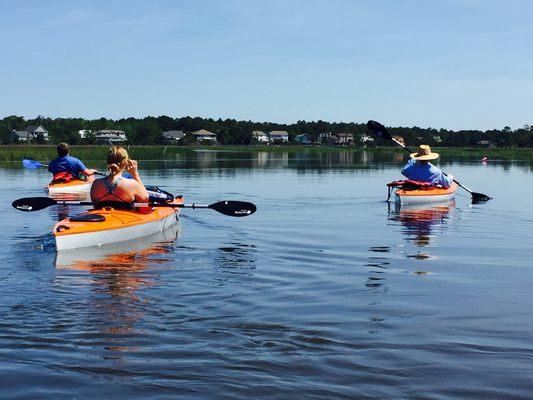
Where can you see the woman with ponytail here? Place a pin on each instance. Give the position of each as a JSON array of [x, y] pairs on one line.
[[114, 187]]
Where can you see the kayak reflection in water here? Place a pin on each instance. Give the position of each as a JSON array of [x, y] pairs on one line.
[[115, 187], [419, 221], [418, 168], [117, 274]]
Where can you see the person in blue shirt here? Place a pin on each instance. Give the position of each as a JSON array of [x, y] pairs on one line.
[[418, 168], [66, 167]]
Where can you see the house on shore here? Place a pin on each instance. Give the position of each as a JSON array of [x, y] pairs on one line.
[[323, 137], [260, 137], [173, 136], [303, 138], [340, 139], [204, 135], [279, 136], [84, 133], [489, 144], [110, 136], [31, 133], [366, 139], [345, 139]]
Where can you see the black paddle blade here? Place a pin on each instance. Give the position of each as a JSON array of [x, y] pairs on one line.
[[33, 203], [379, 130], [234, 208], [480, 197]]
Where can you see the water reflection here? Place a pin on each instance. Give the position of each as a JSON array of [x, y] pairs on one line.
[[237, 258], [420, 222], [117, 273], [270, 159], [378, 264]]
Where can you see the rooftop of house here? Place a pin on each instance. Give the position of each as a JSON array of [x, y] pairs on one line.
[[34, 128], [109, 132], [22, 134], [203, 132], [173, 134]]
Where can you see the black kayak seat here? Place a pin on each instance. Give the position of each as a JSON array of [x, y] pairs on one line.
[[88, 218]]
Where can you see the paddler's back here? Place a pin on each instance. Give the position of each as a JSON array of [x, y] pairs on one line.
[[126, 190]]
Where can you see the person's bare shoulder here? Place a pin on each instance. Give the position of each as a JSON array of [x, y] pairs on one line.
[[129, 183]]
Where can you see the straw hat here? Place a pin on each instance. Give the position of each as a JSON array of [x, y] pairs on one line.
[[424, 153]]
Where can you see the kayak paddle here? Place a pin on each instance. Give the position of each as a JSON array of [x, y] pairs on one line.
[[33, 164], [227, 207], [380, 131]]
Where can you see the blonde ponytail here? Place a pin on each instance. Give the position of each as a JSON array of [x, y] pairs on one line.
[[117, 157]]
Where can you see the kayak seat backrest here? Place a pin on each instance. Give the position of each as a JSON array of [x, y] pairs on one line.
[[409, 184], [62, 177], [157, 195], [88, 218]]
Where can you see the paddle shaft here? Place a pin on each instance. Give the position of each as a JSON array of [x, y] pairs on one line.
[[136, 205], [232, 208]]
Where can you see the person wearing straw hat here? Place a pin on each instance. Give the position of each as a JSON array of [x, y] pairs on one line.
[[419, 168]]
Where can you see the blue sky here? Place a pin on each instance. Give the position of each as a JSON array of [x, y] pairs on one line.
[[444, 64]]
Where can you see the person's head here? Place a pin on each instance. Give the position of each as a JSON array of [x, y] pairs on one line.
[[62, 149], [117, 158], [424, 154]]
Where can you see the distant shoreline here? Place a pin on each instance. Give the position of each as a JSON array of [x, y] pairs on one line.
[[150, 152]]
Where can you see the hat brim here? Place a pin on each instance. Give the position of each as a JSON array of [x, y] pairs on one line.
[[427, 157]]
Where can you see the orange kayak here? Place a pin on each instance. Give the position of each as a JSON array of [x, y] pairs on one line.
[[110, 225]]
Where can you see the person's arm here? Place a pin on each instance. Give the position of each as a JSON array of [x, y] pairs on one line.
[[140, 193], [407, 167], [444, 180], [88, 172], [83, 169], [449, 180]]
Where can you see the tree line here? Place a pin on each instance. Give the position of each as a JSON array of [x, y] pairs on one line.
[[148, 130]]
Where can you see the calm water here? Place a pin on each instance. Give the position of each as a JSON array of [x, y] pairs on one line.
[[325, 292]]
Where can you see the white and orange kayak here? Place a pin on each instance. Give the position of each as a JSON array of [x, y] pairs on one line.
[[109, 225], [75, 186], [424, 195]]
